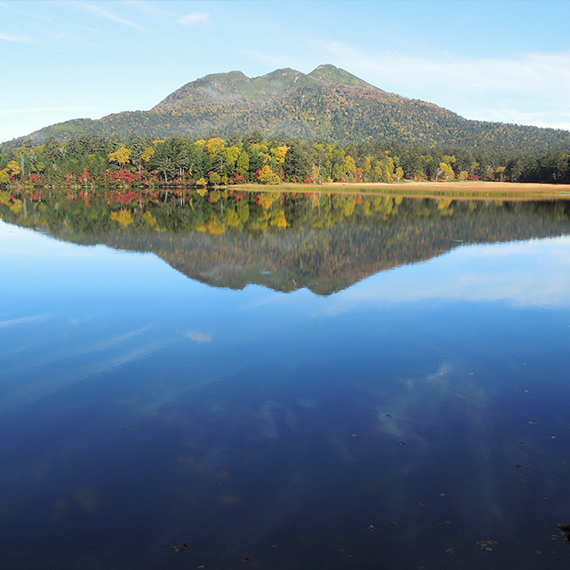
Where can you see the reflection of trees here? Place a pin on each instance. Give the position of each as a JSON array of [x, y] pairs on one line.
[[319, 240]]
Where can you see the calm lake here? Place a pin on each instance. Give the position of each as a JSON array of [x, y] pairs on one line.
[[283, 381]]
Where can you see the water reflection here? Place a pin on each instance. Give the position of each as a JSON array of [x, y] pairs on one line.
[[413, 419], [285, 241]]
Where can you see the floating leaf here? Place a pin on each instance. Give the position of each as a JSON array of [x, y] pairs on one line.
[[486, 544], [180, 547]]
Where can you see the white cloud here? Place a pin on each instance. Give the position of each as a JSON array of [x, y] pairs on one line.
[[199, 337], [194, 18], [106, 14]]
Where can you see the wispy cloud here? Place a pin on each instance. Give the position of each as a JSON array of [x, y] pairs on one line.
[[106, 14], [69, 37], [29, 110], [514, 85], [12, 6], [194, 18], [278, 60], [17, 39], [23, 320], [148, 8]]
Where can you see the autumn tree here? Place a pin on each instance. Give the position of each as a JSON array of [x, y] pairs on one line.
[[121, 156]]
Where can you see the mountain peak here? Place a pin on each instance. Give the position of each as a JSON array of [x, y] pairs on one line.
[[328, 73]]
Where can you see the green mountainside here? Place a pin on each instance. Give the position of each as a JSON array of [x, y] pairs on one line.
[[327, 104]]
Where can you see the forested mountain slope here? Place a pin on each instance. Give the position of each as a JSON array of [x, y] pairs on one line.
[[327, 104]]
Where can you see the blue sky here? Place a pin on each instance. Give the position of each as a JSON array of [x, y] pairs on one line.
[[503, 61]]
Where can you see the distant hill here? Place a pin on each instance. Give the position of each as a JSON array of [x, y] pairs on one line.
[[329, 103]]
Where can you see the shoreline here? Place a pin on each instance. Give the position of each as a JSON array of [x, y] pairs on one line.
[[457, 190], [409, 188]]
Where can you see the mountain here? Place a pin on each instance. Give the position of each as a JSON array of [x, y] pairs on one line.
[[328, 103]]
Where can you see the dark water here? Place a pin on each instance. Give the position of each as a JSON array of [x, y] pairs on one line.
[[397, 364]]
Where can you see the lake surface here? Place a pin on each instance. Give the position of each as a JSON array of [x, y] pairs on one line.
[[283, 381]]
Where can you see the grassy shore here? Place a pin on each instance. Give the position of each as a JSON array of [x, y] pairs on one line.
[[458, 190]]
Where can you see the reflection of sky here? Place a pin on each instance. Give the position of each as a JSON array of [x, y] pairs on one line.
[[72, 312], [409, 384], [533, 273]]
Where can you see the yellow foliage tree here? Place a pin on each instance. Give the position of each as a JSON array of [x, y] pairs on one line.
[[267, 176], [215, 146], [280, 154], [121, 156], [232, 154], [147, 154], [14, 168], [446, 171], [350, 166]]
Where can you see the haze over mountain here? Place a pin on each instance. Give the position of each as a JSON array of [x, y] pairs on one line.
[[329, 103]]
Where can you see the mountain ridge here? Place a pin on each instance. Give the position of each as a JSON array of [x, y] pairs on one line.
[[328, 103]]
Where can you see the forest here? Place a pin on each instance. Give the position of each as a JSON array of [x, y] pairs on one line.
[[94, 160]]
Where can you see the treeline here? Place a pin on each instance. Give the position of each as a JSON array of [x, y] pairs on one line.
[[92, 160]]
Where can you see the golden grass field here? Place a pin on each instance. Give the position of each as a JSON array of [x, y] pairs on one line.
[[458, 190]]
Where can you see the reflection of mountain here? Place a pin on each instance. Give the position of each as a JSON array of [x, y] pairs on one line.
[[330, 241]]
